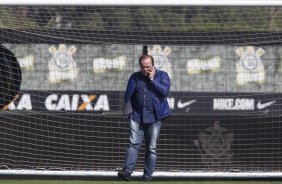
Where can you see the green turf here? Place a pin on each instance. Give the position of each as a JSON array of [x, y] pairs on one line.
[[131, 182]]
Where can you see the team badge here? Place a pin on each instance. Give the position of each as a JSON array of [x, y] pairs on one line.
[[161, 58], [214, 144], [62, 66], [250, 67]]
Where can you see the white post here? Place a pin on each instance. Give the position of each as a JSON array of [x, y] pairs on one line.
[[146, 2]]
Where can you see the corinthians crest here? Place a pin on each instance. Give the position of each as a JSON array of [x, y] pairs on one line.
[[250, 67], [62, 66], [161, 58], [214, 145]]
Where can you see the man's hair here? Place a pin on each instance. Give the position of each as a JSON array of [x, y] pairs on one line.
[[145, 56]]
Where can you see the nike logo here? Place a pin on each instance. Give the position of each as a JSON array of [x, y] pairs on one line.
[[181, 105], [265, 105]]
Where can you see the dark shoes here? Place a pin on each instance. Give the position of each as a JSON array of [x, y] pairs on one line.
[[124, 175], [146, 179]]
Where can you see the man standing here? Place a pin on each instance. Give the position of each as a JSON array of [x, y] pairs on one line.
[[145, 104]]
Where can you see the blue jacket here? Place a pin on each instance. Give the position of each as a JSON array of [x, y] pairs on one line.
[[160, 92]]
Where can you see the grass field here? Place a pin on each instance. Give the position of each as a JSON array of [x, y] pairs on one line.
[[132, 182]]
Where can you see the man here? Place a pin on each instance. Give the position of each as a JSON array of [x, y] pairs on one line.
[[145, 104]]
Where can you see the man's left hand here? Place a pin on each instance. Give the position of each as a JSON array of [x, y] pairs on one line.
[[152, 72]]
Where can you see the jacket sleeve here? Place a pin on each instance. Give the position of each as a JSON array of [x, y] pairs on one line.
[[127, 108], [162, 86]]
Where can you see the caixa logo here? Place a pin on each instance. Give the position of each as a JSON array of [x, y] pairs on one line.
[[60, 102], [77, 102], [21, 102]]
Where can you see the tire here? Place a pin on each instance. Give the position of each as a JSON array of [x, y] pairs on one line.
[[10, 77]]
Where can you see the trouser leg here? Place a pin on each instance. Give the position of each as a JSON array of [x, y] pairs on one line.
[[136, 137], [152, 132]]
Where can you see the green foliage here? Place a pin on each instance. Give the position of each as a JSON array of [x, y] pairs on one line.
[[174, 19], [15, 19], [118, 19]]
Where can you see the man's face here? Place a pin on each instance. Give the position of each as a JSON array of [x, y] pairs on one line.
[[146, 66]]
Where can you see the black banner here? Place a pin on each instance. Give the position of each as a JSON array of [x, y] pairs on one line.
[[181, 103]]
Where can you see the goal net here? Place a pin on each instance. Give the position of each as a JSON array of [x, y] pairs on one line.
[[64, 70]]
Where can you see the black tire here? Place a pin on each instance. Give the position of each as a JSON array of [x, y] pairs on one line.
[[10, 76]]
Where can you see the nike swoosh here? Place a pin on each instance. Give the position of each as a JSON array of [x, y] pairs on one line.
[[181, 105], [264, 105]]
